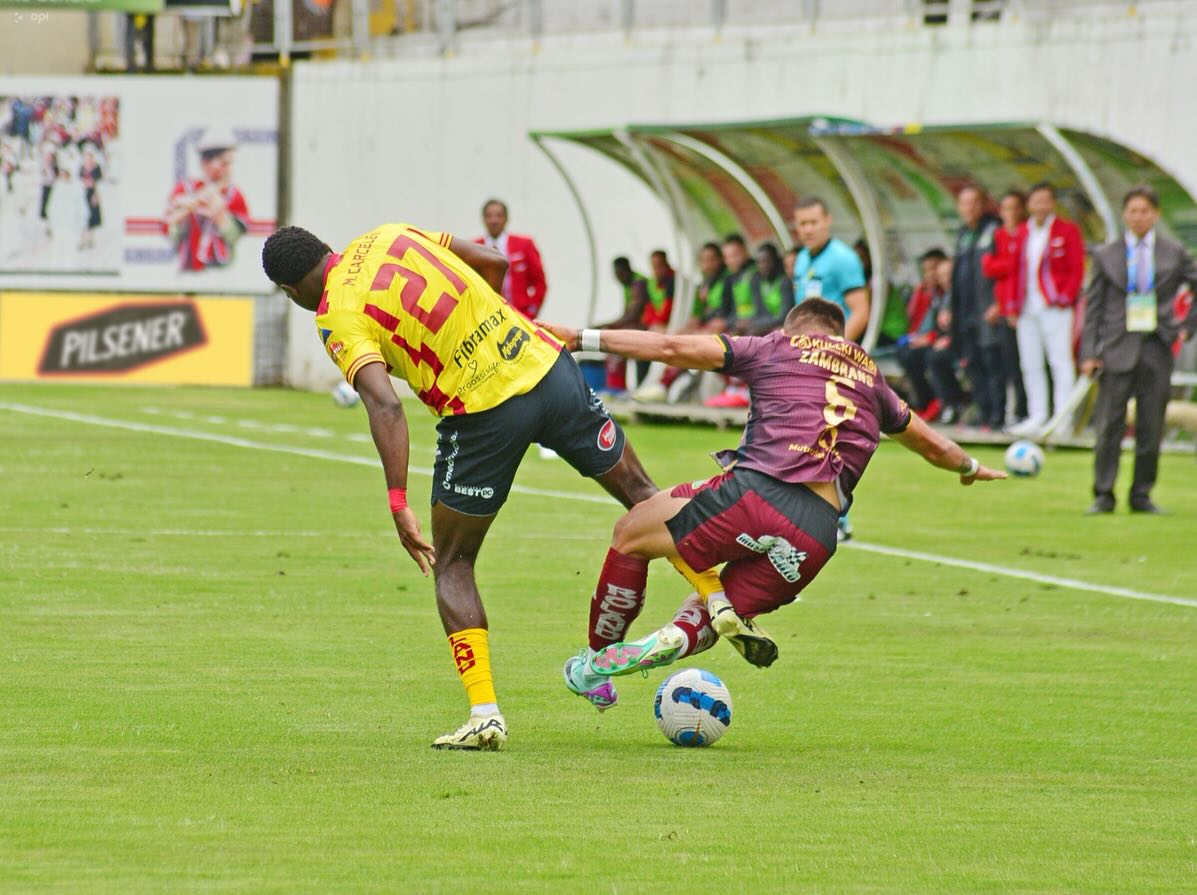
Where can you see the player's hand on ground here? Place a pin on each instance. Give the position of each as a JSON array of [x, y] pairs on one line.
[[565, 334], [983, 474], [417, 548]]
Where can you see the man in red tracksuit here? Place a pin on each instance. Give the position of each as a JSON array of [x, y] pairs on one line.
[[1050, 270], [525, 285]]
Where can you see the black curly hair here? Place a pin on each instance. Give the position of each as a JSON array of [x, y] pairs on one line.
[[290, 253]]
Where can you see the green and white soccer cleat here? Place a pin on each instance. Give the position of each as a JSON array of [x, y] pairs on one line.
[[581, 681], [483, 733], [659, 648], [749, 639]]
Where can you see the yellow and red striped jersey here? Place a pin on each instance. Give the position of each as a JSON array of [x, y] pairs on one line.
[[397, 295]]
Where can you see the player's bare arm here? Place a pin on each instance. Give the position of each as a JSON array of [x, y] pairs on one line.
[[689, 352], [858, 314], [388, 426], [938, 450], [489, 263]]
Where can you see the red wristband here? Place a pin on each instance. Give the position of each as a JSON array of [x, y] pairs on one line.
[[398, 498]]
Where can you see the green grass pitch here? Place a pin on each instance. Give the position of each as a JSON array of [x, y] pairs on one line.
[[220, 673]]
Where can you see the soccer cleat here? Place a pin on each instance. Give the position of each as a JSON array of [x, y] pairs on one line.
[[581, 681], [658, 648], [749, 639], [482, 733]]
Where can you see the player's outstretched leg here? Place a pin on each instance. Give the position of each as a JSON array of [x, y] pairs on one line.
[[749, 639], [689, 633]]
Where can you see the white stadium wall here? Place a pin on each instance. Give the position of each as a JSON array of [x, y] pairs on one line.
[[428, 139]]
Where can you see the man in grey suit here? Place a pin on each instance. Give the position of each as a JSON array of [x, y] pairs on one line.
[[1130, 326]]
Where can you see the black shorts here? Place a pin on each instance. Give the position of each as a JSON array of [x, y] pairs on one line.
[[477, 454]]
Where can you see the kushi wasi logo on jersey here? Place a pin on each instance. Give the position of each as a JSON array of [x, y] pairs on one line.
[[474, 340], [513, 343], [606, 435], [123, 338]]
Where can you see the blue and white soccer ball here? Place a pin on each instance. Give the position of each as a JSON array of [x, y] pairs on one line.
[[693, 708], [1024, 458], [344, 395]]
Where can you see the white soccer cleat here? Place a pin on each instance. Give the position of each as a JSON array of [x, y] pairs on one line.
[[484, 733]]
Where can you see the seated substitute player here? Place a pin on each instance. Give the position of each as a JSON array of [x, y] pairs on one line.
[[426, 307], [819, 406]]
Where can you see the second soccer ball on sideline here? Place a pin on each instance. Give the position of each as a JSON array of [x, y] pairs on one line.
[[344, 395], [1024, 458], [693, 708]]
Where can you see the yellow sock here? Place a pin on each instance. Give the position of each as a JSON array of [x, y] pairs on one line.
[[471, 653], [706, 583]]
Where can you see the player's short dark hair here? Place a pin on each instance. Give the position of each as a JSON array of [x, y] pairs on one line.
[[489, 202], [1040, 187], [818, 310], [622, 262], [1142, 191], [659, 253], [935, 254], [1015, 194], [206, 155], [711, 247], [290, 253], [769, 249], [735, 238], [811, 202]]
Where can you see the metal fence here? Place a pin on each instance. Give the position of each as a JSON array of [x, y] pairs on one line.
[[439, 26]]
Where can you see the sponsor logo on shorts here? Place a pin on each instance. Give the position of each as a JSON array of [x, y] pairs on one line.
[[485, 492], [606, 436], [446, 482], [782, 555], [596, 403], [513, 343]]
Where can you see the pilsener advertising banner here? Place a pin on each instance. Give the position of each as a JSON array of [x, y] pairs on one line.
[[162, 339], [155, 184]]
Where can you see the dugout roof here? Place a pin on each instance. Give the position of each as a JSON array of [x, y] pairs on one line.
[[893, 186]]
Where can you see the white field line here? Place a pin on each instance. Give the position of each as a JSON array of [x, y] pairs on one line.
[[234, 441], [1070, 583], [173, 532], [257, 425], [261, 533]]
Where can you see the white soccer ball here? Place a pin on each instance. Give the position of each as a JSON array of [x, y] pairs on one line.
[[1024, 458], [343, 395], [693, 708]]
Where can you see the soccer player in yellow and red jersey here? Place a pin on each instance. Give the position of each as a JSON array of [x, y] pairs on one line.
[[425, 307]]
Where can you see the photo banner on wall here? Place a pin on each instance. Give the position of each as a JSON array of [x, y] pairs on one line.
[[146, 183], [162, 339]]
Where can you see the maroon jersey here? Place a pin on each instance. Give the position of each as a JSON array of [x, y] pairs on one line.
[[819, 407]]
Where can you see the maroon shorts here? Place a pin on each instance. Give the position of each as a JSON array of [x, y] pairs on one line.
[[728, 513]]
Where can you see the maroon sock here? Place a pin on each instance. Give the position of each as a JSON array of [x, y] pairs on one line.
[[617, 599], [695, 622]]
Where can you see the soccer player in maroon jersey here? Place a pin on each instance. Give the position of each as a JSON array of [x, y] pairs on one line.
[[819, 406]]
